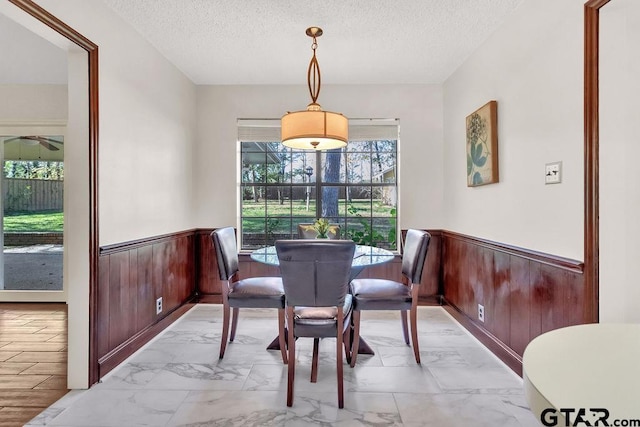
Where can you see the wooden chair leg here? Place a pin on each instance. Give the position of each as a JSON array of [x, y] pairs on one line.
[[346, 339], [292, 357], [281, 335], [225, 329], [234, 323], [314, 361], [405, 329], [339, 366], [414, 332], [356, 337]]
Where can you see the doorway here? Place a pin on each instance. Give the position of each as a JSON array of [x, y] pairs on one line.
[[78, 111], [34, 116], [32, 183]]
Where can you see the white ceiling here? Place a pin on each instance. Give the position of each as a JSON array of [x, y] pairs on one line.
[[364, 41]]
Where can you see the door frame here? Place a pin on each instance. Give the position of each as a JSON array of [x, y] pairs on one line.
[[90, 310], [591, 159]]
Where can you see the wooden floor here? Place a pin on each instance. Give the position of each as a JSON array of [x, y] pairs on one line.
[[33, 359]]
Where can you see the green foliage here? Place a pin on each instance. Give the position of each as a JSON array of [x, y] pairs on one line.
[[370, 235], [391, 237], [272, 225], [33, 169], [321, 225]]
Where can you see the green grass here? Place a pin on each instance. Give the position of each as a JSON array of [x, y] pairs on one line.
[[24, 222], [299, 208]]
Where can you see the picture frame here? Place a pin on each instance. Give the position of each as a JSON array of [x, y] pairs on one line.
[[482, 145]]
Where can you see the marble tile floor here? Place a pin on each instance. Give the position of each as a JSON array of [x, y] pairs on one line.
[[177, 380]]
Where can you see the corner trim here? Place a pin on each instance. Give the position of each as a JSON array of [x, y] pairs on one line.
[[497, 347], [541, 257], [133, 244]]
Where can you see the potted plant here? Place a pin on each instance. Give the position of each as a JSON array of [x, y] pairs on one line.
[[321, 226]]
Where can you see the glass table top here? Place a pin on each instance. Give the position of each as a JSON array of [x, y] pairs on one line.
[[363, 257]]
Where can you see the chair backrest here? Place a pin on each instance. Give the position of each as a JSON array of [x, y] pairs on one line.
[[415, 251], [315, 273], [306, 231], [224, 242]]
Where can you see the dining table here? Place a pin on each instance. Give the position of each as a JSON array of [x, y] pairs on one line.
[[363, 257], [583, 373]]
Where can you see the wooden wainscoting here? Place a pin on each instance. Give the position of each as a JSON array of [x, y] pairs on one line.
[[524, 293], [132, 276]]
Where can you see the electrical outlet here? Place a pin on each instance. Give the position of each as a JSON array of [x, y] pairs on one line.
[[553, 173], [481, 312], [159, 305]]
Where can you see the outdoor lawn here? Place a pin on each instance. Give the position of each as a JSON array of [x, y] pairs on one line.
[[283, 219], [297, 208], [24, 222]]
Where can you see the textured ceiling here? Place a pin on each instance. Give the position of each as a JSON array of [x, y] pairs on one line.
[[364, 41]]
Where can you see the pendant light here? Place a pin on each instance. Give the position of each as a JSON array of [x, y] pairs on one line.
[[313, 128]]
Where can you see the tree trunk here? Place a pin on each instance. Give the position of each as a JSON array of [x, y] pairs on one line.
[[331, 175], [256, 197]]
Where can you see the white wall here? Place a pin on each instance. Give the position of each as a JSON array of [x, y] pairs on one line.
[[33, 103], [147, 125], [419, 108], [619, 156], [533, 67]]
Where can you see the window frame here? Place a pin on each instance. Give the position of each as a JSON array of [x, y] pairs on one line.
[[265, 186]]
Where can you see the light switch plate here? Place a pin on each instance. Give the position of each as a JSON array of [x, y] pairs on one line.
[[553, 173]]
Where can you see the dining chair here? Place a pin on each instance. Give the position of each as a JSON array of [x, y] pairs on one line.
[[382, 294], [315, 275], [306, 231], [253, 292]]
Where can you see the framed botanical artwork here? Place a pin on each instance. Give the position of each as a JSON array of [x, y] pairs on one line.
[[482, 145]]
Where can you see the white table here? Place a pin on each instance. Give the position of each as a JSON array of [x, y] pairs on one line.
[[594, 367]]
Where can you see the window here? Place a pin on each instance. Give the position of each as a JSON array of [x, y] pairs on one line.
[[355, 187]]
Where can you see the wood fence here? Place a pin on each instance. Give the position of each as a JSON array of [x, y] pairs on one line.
[[32, 195]]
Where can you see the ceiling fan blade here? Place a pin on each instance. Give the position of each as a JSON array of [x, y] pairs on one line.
[[45, 142], [42, 140], [48, 146]]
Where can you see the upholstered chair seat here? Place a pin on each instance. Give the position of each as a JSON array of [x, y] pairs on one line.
[[320, 321], [257, 292], [382, 294]]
